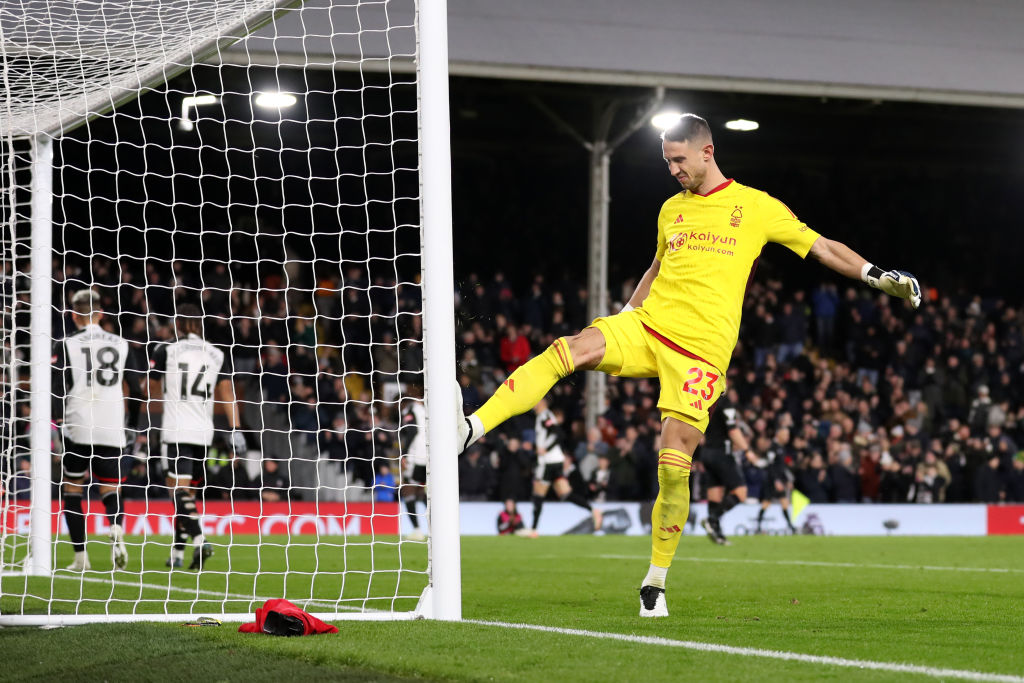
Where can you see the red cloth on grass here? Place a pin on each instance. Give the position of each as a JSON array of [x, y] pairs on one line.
[[282, 606]]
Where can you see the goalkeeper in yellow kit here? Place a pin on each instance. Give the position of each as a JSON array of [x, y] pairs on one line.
[[682, 322]]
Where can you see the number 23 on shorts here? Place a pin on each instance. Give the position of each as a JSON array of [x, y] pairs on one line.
[[701, 384]]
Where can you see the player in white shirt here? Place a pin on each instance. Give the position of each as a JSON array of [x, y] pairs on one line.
[[551, 468], [413, 438], [188, 378], [93, 373]]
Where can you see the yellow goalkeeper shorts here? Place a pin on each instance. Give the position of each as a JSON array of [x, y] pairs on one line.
[[690, 385]]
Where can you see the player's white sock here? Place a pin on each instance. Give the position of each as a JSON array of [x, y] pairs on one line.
[[655, 577], [198, 541], [177, 554]]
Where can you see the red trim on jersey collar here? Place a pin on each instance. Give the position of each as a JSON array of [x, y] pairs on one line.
[[714, 190], [675, 347]]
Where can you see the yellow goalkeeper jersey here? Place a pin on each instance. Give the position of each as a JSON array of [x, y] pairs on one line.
[[708, 246]]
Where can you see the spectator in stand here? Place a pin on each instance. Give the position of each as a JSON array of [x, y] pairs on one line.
[[954, 388], [813, 480], [1015, 480], [21, 482], [587, 452], [515, 460], [930, 480], [476, 476], [515, 348], [844, 479], [274, 484], [230, 480], [509, 519], [897, 476], [977, 416], [600, 480], [385, 489], [988, 484], [765, 334], [825, 302], [274, 378], [792, 332], [471, 397]]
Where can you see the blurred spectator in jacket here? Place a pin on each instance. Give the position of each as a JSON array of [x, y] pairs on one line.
[[385, 489], [825, 302], [515, 348], [1015, 480], [476, 476], [988, 485], [930, 480], [273, 483], [813, 481], [587, 452], [844, 478]]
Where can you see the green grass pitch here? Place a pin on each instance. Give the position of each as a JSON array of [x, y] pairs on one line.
[[946, 603]]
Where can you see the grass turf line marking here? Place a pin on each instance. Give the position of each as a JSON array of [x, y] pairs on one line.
[[934, 672], [198, 591], [812, 563]]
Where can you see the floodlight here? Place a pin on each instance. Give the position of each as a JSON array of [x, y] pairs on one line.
[[275, 100], [742, 125], [665, 120], [190, 101]]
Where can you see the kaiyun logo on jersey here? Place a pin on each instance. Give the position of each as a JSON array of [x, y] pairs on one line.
[[692, 241]]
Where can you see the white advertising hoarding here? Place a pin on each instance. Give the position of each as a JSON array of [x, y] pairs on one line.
[[633, 519]]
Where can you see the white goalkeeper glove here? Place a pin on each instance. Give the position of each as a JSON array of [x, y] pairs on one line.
[[893, 282], [238, 444]]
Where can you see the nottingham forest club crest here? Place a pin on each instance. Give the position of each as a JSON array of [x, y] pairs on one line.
[[736, 217]]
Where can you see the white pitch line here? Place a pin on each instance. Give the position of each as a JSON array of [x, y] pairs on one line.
[[193, 591], [812, 563], [934, 672]]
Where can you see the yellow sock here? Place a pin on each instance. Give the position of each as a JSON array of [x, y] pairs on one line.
[[525, 387], [672, 507]]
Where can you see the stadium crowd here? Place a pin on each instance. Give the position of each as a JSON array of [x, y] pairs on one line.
[[863, 398]]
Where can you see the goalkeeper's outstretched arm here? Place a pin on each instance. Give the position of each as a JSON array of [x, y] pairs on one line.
[[846, 261]]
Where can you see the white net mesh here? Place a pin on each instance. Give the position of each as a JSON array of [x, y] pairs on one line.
[[282, 201]]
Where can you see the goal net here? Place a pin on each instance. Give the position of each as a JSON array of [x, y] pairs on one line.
[[236, 208]]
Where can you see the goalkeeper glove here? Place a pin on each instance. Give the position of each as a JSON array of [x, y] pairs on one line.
[[893, 282], [238, 444]]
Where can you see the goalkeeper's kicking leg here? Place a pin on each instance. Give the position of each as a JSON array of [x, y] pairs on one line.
[[525, 387]]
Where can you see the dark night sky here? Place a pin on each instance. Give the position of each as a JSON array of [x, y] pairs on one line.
[[929, 188]]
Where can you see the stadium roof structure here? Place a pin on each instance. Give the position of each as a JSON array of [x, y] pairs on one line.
[[911, 50]]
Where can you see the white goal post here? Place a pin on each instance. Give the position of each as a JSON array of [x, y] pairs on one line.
[[145, 158]]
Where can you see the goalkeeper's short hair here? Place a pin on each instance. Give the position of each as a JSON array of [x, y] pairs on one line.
[[689, 128]]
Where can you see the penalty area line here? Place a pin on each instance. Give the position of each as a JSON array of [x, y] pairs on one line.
[[813, 563], [933, 672]]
